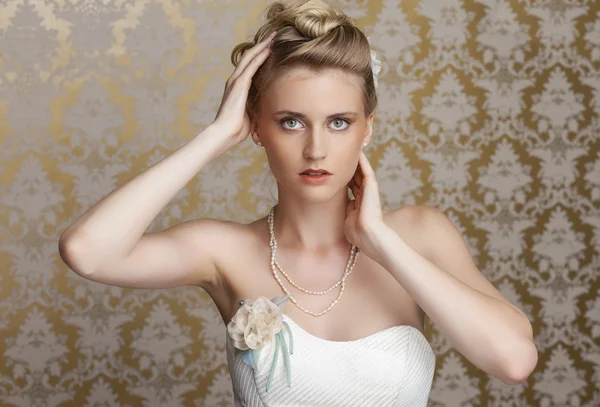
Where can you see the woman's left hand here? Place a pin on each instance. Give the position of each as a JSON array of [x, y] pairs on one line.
[[364, 217]]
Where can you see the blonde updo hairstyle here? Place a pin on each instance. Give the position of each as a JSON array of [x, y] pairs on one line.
[[310, 34]]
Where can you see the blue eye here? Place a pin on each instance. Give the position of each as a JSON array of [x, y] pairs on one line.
[[342, 121], [287, 121], [337, 124]]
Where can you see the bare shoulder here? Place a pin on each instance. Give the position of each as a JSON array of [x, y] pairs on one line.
[[220, 236], [433, 235], [226, 239], [234, 247], [408, 215], [423, 227]]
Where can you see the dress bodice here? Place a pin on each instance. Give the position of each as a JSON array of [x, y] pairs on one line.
[[392, 367]]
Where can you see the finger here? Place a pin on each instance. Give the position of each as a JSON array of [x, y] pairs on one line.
[[353, 187], [358, 175], [351, 206], [251, 54], [253, 66], [245, 77], [365, 166], [242, 84], [356, 190]]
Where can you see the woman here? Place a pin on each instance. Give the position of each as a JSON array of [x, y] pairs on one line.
[[354, 282]]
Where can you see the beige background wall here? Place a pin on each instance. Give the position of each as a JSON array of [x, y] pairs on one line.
[[489, 111]]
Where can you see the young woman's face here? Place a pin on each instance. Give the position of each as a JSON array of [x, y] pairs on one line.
[[311, 120]]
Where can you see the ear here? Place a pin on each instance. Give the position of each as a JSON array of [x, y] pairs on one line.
[[369, 132], [254, 128]]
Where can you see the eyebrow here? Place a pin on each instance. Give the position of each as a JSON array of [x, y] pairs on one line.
[[303, 116]]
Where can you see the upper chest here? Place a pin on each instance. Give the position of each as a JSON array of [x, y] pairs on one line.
[[372, 299]]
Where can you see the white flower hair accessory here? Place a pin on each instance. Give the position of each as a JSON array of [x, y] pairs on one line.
[[258, 323], [375, 66]]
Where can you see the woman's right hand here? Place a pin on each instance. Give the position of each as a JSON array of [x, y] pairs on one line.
[[232, 119]]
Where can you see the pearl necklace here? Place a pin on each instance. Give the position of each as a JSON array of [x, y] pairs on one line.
[[354, 251]]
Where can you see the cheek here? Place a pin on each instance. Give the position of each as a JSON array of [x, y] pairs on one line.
[[280, 159], [347, 163], [350, 149], [352, 166]]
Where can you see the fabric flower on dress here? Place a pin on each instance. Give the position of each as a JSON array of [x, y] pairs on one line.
[[260, 322]]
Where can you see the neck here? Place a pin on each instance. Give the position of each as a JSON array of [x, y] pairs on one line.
[[313, 227]]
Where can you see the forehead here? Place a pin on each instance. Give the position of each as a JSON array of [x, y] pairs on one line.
[[318, 91]]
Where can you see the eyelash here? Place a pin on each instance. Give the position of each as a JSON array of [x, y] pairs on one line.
[[348, 122]]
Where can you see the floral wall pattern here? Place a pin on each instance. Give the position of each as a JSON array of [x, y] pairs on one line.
[[489, 110]]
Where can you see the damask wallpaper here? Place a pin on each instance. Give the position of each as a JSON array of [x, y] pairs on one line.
[[489, 110]]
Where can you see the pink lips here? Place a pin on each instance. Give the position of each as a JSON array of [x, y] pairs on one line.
[[315, 177], [313, 172]]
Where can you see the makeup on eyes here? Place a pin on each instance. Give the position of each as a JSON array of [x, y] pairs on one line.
[[348, 122]]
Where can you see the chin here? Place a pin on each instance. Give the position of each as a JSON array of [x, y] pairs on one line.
[[319, 194]]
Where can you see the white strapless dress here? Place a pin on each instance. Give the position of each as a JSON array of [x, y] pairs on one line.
[[393, 367]]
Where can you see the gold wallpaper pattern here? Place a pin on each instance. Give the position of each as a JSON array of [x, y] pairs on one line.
[[489, 111]]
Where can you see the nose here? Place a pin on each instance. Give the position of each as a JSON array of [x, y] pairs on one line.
[[315, 146]]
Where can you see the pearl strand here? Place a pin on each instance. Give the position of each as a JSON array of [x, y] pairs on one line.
[[354, 251], [352, 254], [289, 279]]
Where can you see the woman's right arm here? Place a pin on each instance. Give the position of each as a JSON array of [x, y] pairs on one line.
[[107, 243]]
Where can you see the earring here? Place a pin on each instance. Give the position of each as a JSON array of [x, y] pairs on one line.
[[364, 144], [259, 144]]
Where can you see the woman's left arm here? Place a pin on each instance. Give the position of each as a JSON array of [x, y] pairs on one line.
[[437, 270], [482, 325]]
